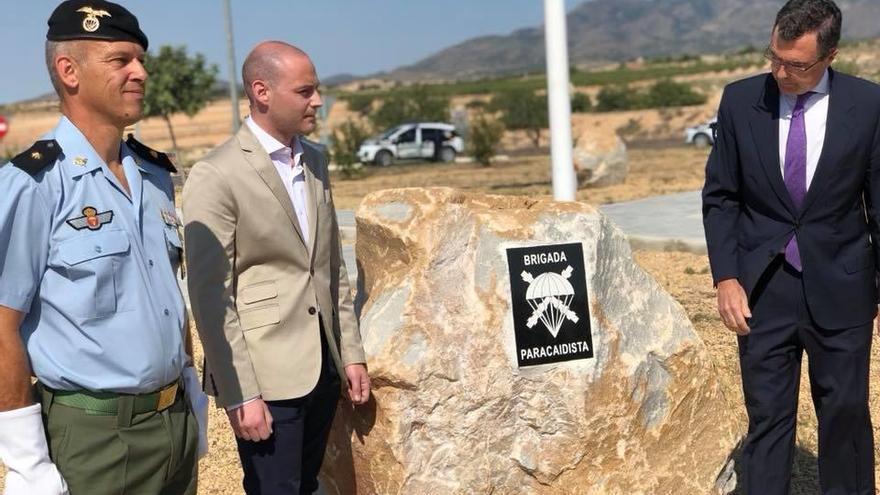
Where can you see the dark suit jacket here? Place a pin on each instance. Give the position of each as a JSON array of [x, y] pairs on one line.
[[749, 217]]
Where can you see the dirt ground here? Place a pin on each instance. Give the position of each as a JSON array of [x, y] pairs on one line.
[[653, 170], [686, 277]]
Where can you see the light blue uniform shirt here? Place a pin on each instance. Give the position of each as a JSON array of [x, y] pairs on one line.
[[94, 269]]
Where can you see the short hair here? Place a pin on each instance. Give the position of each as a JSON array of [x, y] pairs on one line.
[[263, 63], [799, 17], [53, 50]]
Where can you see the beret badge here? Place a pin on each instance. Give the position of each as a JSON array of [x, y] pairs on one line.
[[91, 23]]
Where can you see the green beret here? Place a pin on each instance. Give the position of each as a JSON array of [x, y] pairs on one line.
[[94, 20]]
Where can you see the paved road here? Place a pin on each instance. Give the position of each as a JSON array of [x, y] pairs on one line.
[[673, 221]]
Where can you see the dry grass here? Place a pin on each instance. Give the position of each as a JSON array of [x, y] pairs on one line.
[[686, 277]]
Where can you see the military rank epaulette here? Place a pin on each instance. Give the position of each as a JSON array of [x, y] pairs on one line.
[[150, 154], [39, 156]]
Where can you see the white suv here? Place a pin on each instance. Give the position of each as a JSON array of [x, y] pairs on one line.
[[413, 140], [701, 135]]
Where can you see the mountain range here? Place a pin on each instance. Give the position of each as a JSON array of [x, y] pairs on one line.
[[602, 31]]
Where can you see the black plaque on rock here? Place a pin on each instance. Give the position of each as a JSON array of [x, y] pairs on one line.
[[551, 316]]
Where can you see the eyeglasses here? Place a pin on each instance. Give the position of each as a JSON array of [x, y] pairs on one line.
[[796, 67]]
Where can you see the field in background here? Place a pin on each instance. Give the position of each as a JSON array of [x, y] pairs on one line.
[[707, 74], [657, 170]]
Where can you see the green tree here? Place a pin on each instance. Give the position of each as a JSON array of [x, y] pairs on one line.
[[523, 109], [177, 83], [484, 137], [611, 98], [669, 93], [415, 104], [360, 103], [347, 138], [581, 103]]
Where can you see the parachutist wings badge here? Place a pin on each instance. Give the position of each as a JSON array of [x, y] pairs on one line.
[[91, 219]]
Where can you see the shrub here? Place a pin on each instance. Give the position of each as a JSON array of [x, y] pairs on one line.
[[362, 104], [661, 94], [347, 138], [522, 109], [485, 134], [613, 98], [581, 103], [417, 104], [669, 93]]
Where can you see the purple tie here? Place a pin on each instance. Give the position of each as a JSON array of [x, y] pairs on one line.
[[796, 171]]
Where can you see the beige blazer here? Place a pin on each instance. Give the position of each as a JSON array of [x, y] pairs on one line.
[[257, 291]]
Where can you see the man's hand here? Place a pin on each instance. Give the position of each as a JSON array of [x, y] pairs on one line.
[[733, 306], [251, 421], [358, 383]]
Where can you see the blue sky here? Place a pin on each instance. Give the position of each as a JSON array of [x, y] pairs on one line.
[[342, 36]]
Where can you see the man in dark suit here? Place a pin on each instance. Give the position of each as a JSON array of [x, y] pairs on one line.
[[791, 221]]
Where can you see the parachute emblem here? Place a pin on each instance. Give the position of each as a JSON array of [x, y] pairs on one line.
[[549, 295]]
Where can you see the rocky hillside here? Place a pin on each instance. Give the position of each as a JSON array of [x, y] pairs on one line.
[[601, 31]]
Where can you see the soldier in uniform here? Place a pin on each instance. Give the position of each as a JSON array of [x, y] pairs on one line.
[[89, 301]]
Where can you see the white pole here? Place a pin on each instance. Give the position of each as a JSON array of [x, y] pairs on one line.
[[564, 180], [233, 79]]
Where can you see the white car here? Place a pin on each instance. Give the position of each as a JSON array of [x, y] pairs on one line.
[[412, 140], [701, 135]]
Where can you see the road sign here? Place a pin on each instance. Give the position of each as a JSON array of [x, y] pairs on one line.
[[4, 126]]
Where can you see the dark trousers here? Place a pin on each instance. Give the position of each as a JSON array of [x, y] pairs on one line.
[[288, 462], [770, 361]]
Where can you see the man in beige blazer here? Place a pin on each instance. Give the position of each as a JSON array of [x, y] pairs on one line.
[[267, 281]]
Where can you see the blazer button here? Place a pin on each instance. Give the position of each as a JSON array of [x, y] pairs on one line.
[[312, 310]]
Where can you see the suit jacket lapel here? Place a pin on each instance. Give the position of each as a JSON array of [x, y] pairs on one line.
[[310, 161], [257, 158], [765, 133], [838, 132]]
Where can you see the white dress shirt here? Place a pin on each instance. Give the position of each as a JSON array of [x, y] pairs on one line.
[[288, 163], [815, 120]]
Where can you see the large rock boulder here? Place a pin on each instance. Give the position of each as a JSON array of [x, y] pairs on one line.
[[453, 412], [599, 156]]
